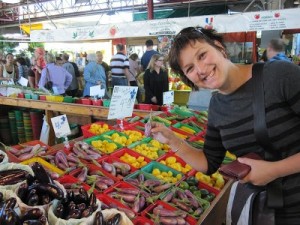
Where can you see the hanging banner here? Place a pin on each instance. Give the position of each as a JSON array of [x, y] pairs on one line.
[[252, 21]]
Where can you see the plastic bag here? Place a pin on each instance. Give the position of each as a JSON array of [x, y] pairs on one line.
[[10, 166], [109, 213], [24, 207], [45, 131], [5, 159], [53, 220]]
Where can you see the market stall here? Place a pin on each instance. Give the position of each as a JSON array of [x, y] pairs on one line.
[[104, 145]]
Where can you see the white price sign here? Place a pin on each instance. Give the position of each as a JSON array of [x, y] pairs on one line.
[[23, 81], [168, 97], [97, 91], [61, 126], [122, 102]]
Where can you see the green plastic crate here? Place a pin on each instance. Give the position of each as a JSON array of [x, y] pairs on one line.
[[163, 168]]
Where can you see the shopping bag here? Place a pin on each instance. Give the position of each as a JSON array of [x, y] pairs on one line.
[[45, 131]]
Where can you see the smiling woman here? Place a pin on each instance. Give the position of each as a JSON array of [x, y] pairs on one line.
[[199, 56]]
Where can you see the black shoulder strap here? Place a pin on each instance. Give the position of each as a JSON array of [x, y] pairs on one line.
[[260, 127], [274, 189]]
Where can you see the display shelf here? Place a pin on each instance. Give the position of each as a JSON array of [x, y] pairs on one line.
[[77, 110]]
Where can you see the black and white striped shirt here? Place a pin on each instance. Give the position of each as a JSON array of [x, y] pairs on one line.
[[118, 63]]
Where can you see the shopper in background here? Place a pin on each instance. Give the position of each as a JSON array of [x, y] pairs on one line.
[[34, 74], [94, 73], [2, 58], [148, 54], [134, 71], [22, 67], [119, 66], [275, 50], [73, 88], [60, 77], [59, 61], [9, 71], [106, 69], [264, 57], [156, 80], [199, 56]]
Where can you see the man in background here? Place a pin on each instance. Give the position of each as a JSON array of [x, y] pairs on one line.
[[119, 66], [275, 50], [73, 88], [148, 54]]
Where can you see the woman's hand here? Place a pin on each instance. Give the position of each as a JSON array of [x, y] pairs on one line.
[[262, 172], [161, 133], [154, 99]]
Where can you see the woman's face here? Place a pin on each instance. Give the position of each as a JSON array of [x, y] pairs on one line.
[[159, 62], [9, 59], [204, 65]]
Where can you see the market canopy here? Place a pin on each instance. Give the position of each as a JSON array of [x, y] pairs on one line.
[[252, 21]]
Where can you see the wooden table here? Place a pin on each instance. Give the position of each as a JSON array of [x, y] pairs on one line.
[[77, 113]]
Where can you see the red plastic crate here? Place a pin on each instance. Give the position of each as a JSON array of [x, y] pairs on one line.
[[155, 107], [141, 220], [113, 203], [206, 186], [68, 179], [92, 168], [97, 102], [13, 158], [147, 107], [85, 129], [86, 101], [146, 213], [111, 159], [121, 185], [178, 159], [118, 154]]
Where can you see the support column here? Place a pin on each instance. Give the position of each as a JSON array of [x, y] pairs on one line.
[[150, 10]]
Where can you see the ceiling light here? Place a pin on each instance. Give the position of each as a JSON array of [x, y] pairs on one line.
[[11, 1]]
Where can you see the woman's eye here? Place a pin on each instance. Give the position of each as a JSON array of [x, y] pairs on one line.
[[189, 70], [202, 55]]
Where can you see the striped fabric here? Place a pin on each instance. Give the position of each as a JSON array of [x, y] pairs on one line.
[[230, 127], [118, 63]]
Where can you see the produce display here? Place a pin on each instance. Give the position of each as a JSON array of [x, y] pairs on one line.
[[122, 170]]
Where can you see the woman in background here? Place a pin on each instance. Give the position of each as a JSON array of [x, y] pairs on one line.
[[9, 71], [156, 80], [60, 77], [134, 71]]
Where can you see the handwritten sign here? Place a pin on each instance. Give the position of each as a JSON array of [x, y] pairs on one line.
[[122, 102], [23, 81], [97, 91], [168, 97], [61, 126]]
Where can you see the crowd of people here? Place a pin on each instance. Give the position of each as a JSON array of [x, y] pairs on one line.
[[66, 77]]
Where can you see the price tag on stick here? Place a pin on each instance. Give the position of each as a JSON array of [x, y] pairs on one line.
[[122, 102], [61, 126], [168, 97]]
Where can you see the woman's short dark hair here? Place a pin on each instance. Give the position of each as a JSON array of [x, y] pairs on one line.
[[134, 56], [191, 35]]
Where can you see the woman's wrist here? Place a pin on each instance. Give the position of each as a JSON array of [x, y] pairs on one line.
[[176, 145]]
